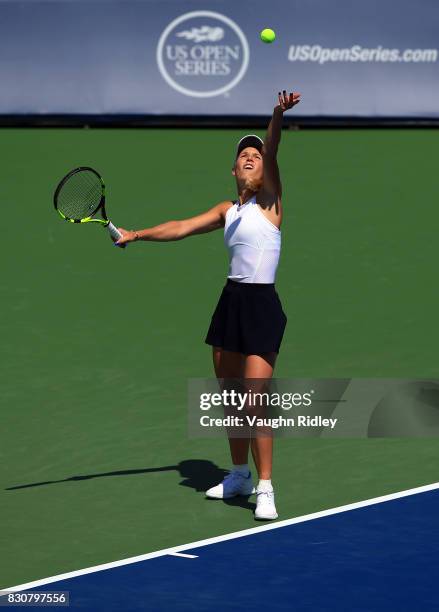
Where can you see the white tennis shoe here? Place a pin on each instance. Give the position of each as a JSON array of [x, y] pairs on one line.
[[265, 508], [233, 484]]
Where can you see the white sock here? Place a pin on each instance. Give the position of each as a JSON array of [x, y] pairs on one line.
[[265, 486], [242, 469]]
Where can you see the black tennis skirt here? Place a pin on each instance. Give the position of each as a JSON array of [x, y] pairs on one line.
[[248, 319]]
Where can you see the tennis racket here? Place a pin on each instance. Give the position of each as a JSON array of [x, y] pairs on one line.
[[80, 195]]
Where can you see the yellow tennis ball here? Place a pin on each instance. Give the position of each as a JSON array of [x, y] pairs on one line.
[[268, 36]]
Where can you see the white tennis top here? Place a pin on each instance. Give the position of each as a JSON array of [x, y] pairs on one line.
[[253, 243]]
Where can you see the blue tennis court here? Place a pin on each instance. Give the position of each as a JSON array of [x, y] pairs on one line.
[[375, 555]]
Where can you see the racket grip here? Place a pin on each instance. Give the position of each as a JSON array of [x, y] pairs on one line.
[[115, 234]]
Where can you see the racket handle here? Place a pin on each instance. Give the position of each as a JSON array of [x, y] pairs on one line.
[[115, 234]]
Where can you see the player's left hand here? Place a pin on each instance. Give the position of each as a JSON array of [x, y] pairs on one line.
[[288, 101]]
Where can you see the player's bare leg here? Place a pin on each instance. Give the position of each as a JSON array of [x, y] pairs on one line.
[[230, 365], [260, 368]]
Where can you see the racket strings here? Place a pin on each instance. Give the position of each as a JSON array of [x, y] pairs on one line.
[[80, 195]]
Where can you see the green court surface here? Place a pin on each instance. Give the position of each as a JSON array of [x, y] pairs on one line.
[[98, 343]]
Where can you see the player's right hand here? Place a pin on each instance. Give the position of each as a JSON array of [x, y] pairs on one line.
[[127, 236]]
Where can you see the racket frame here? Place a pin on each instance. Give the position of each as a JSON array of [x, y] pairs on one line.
[[114, 232]]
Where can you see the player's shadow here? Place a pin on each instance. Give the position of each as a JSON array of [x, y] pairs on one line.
[[198, 474]]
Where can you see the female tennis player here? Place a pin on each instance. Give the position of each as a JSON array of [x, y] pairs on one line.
[[248, 323]]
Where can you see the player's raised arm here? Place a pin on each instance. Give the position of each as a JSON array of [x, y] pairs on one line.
[[272, 183], [177, 230]]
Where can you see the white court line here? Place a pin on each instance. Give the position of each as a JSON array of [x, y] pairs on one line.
[[183, 555], [225, 537]]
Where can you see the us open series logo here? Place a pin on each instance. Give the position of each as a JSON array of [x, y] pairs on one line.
[[202, 54]]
